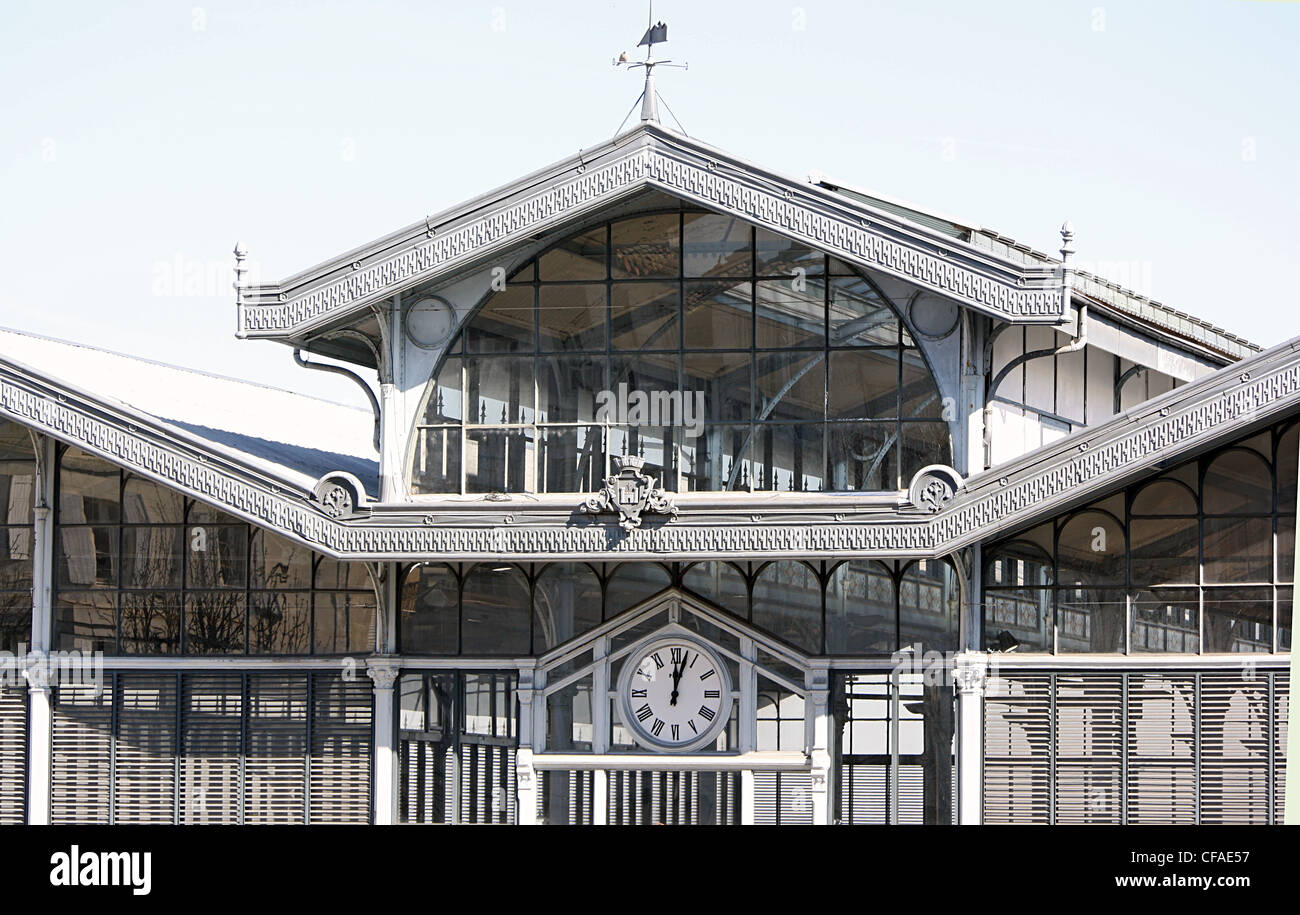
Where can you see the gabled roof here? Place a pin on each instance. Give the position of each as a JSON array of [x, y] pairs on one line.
[[1093, 461], [1087, 287], [289, 435], [651, 157]]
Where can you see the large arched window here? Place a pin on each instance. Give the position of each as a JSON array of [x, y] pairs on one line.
[[728, 358]]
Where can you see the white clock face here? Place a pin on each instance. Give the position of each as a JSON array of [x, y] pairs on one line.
[[675, 694]]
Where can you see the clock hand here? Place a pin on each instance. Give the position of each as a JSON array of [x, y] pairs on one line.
[[677, 679]]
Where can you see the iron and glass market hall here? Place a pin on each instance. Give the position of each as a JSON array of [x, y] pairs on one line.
[[692, 493]]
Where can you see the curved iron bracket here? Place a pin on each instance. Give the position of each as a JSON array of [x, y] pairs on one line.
[[339, 370]]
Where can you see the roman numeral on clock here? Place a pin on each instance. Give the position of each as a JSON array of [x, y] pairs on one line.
[[677, 656], [712, 694], [644, 712], [658, 727], [677, 732], [638, 694], [706, 713], [659, 662], [708, 673]]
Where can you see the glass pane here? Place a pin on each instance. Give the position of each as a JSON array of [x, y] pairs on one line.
[[1287, 456], [88, 489], [1165, 551], [279, 622], [16, 544], [860, 617], [568, 387], [715, 245], [572, 318], [500, 390], [859, 316], [1286, 548], [1019, 564], [632, 582], [1238, 549], [1090, 619], [923, 444], [791, 386], [145, 502], [579, 257], [1164, 497], [1091, 551], [499, 460], [920, 396], [490, 704], [642, 390], [85, 621], [1238, 619], [1285, 616], [430, 617], [151, 557], [718, 315], [217, 556], [1019, 618], [571, 459], [862, 457], [789, 313], [929, 601], [1238, 482], [504, 324], [495, 611], [717, 459], [645, 316], [214, 622], [437, 461], [445, 402], [720, 583], [566, 603], [151, 622], [342, 576], [863, 384], [646, 246], [724, 380], [345, 622], [569, 721], [781, 256], [788, 604], [1166, 620], [278, 562], [788, 458]]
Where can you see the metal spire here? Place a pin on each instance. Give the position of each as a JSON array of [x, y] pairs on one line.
[[655, 33]]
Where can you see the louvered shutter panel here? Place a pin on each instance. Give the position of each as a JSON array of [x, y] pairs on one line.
[[1089, 742], [212, 709], [340, 749], [864, 794], [487, 783], [144, 757], [275, 761], [428, 783], [81, 744], [1234, 748], [13, 754], [1161, 748], [565, 797], [911, 794], [1282, 708], [1017, 749], [782, 798]]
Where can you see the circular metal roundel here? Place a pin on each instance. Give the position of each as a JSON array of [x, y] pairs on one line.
[[430, 321], [674, 694], [933, 316]]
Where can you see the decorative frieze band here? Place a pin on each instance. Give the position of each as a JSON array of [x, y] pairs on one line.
[[1037, 486], [1008, 292]]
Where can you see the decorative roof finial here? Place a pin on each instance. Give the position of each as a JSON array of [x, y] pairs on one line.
[[655, 33], [1067, 240]]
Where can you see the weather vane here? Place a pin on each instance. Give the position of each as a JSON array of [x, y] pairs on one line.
[[655, 33]]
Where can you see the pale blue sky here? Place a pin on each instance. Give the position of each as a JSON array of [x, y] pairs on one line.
[[139, 141]]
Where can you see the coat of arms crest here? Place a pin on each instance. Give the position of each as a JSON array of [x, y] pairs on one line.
[[630, 493]]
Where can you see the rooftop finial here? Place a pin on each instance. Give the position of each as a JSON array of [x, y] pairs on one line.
[[1067, 240], [655, 33]]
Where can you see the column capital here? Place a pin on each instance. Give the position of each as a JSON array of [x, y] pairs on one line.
[[383, 670], [970, 673]]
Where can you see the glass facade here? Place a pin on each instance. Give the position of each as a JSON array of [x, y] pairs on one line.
[[1199, 559], [859, 607], [728, 358], [17, 498], [141, 570]]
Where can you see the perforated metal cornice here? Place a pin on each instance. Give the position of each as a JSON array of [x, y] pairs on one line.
[[651, 158]]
